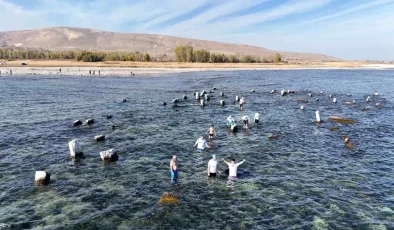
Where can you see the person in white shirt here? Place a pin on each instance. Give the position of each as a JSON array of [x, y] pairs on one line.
[[256, 117], [232, 167], [213, 167], [246, 120], [241, 104], [230, 121], [201, 143]]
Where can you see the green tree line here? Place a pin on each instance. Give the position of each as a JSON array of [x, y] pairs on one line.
[[186, 54], [16, 53]]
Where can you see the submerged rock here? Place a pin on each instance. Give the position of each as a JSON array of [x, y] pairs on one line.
[[341, 120], [319, 224], [222, 103], [168, 198], [109, 116]]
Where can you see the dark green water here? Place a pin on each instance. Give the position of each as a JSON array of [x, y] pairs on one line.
[[305, 179]]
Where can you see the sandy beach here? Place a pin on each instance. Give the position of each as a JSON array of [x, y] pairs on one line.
[[71, 68]]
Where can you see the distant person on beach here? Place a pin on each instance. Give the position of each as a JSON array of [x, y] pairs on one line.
[[211, 132], [99, 72], [201, 143], [230, 121], [241, 104], [257, 117], [232, 168], [90, 72], [246, 120], [174, 170], [60, 70], [213, 167]]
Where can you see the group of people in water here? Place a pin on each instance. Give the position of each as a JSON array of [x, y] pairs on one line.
[[201, 144]]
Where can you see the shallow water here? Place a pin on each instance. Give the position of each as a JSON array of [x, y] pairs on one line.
[[304, 179]]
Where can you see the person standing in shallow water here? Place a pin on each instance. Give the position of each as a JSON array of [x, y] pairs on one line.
[[174, 169], [232, 168], [211, 132], [201, 143], [213, 167], [257, 117], [241, 104]]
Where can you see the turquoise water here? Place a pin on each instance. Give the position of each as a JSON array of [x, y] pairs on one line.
[[304, 179]]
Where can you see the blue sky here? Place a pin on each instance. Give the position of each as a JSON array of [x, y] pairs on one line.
[[348, 29]]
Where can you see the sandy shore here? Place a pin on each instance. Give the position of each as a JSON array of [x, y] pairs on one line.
[[70, 68]]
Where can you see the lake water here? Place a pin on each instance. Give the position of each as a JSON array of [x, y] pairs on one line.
[[304, 179]]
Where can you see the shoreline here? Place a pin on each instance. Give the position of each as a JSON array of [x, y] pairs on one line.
[[69, 68]]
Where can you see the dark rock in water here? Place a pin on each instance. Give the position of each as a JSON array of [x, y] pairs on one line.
[[124, 100], [115, 126], [184, 97], [175, 101], [273, 136], [109, 116], [222, 103], [42, 177], [109, 155], [99, 138], [207, 97], [253, 91], [89, 121], [77, 123], [214, 88], [164, 103], [221, 94], [210, 91], [234, 128]]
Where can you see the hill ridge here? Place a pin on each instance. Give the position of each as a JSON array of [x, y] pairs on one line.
[[74, 38]]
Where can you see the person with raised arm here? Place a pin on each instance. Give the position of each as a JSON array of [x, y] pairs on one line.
[[232, 168]]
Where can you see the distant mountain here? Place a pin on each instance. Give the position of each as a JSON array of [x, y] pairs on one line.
[[66, 38]]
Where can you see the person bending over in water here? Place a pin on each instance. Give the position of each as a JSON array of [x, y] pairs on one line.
[[211, 132], [174, 170], [201, 143], [246, 120], [232, 168], [241, 104], [213, 167], [257, 117]]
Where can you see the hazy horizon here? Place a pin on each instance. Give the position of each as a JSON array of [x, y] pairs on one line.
[[351, 30]]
